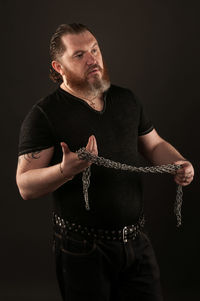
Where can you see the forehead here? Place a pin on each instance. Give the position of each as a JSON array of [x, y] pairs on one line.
[[80, 41]]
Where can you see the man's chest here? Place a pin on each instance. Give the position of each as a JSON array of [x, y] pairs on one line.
[[115, 128]]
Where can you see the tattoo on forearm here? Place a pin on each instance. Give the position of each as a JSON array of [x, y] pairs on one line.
[[33, 155]]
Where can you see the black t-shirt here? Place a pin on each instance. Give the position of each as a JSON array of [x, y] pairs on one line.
[[115, 196]]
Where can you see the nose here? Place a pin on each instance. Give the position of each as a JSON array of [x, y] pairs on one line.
[[90, 59]]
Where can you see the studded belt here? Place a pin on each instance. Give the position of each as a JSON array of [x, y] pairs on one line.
[[128, 232]]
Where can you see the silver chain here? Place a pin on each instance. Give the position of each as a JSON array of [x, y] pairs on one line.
[[83, 154]]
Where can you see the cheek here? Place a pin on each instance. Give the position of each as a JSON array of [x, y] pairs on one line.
[[76, 68], [100, 60]]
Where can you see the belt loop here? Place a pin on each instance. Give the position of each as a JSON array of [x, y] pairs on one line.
[[124, 233]]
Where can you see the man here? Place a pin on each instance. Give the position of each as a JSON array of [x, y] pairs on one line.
[[101, 253]]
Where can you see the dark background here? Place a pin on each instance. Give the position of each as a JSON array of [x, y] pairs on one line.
[[152, 47]]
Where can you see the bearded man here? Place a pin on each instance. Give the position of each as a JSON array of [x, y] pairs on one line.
[[101, 254]]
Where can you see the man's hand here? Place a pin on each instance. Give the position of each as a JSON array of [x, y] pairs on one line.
[[36, 178], [184, 175], [71, 164]]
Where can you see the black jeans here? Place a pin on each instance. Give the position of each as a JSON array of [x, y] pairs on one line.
[[107, 270]]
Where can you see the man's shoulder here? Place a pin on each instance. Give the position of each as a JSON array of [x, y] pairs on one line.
[[119, 90], [48, 101], [122, 93], [43, 106]]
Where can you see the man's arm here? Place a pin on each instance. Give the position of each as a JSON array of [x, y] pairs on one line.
[[36, 178], [158, 151]]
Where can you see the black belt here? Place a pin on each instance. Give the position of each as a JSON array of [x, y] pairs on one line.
[[128, 232]]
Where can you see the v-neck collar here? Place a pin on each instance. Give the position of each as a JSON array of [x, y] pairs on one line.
[[84, 102]]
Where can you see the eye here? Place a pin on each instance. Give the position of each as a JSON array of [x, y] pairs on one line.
[[94, 50], [79, 55]]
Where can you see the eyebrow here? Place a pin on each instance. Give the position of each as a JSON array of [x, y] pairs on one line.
[[77, 51]]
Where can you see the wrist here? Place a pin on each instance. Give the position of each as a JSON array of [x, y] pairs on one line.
[[67, 178]]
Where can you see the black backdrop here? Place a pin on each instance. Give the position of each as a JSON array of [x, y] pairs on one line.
[[152, 47]]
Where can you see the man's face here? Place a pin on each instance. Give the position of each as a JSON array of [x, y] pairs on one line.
[[82, 63]]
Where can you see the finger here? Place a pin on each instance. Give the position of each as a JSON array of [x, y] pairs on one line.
[[181, 176], [65, 148], [92, 143], [183, 173], [188, 169], [181, 183], [87, 143], [184, 181], [180, 171], [89, 146], [95, 148], [184, 178]]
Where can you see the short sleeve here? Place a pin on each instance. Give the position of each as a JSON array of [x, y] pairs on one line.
[[36, 132], [145, 124]]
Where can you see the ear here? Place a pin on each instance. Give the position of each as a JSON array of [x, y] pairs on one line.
[[58, 67]]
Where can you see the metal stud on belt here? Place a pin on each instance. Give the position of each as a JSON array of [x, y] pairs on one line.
[[124, 233]]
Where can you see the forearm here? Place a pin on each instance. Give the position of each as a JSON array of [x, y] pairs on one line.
[[35, 179], [38, 182], [164, 153]]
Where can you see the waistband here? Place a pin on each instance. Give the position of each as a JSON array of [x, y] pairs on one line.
[[65, 227]]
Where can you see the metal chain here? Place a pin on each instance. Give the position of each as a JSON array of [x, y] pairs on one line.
[[83, 154]]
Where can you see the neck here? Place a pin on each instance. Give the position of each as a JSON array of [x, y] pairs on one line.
[[80, 94], [91, 99]]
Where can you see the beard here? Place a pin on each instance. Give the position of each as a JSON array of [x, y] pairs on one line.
[[89, 88]]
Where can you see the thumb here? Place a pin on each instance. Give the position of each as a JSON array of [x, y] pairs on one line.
[[65, 148]]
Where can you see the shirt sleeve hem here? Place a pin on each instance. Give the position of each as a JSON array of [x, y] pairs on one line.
[[33, 149], [147, 131]]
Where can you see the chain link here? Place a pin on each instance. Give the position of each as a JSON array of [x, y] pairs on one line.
[[83, 154]]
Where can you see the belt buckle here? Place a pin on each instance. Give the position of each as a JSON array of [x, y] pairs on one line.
[[124, 234]]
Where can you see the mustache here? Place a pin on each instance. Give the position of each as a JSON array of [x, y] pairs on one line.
[[91, 68]]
